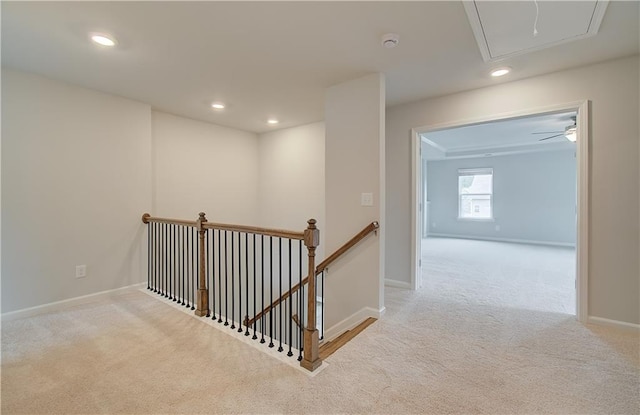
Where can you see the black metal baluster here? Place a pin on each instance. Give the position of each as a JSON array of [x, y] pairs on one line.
[[212, 269], [271, 290], [183, 263], [246, 276], [207, 260], [152, 255], [281, 306], [300, 304], [176, 254], [290, 316], [176, 290], [148, 256], [159, 259], [187, 293], [159, 254], [194, 248], [226, 282], [219, 277], [164, 261], [172, 261], [239, 282], [254, 337], [262, 321], [233, 284], [322, 308]]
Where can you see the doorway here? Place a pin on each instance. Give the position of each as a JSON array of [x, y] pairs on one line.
[[476, 201]]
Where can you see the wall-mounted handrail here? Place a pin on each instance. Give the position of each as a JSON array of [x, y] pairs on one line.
[[273, 305], [373, 226]]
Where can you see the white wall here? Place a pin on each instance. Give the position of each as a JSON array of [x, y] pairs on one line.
[[354, 157], [612, 87], [76, 177], [201, 167], [291, 177], [534, 197]]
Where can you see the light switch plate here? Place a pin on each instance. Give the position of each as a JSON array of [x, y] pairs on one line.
[[366, 199]]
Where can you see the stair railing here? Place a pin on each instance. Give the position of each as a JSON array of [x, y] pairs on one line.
[[319, 272], [194, 263]]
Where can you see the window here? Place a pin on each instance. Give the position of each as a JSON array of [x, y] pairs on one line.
[[475, 193]]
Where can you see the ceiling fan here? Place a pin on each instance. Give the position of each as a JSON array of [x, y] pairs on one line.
[[569, 132]]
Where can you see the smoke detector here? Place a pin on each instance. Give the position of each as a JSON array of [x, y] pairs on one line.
[[390, 40]]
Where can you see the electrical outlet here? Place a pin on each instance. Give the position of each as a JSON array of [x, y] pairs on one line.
[[497, 228], [434, 225], [81, 271]]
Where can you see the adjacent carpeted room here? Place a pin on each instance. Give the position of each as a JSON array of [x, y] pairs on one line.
[[500, 274], [437, 350]]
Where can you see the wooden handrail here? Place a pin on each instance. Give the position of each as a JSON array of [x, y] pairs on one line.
[[295, 288], [373, 226], [280, 233], [146, 218]]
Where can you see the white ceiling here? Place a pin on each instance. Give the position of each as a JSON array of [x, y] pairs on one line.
[[511, 136], [275, 59]]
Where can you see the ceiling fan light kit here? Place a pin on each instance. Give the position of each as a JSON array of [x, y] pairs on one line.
[[571, 133]]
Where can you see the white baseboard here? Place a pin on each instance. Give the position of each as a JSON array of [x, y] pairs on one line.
[[613, 323], [489, 238], [63, 304], [351, 322], [397, 284]]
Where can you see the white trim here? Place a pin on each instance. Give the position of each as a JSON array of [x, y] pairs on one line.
[[489, 238], [397, 284], [416, 214], [64, 304], [613, 323], [582, 232], [582, 159], [351, 322]]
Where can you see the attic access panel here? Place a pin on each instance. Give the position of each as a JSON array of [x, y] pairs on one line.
[[505, 28]]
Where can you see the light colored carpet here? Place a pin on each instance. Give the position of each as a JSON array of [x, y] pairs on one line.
[[434, 352], [532, 277]]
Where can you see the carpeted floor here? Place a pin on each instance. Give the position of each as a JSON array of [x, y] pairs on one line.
[[440, 350], [532, 277]]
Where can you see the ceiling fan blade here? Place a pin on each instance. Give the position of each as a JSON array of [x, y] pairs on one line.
[[553, 136], [549, 132]]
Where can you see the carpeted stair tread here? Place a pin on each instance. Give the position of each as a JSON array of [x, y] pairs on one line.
[[327, 349]]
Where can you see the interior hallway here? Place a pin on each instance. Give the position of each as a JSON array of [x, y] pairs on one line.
[[433, 352]]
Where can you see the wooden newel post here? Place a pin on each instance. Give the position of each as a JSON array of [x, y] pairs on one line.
[[203, 293], [311, 359]]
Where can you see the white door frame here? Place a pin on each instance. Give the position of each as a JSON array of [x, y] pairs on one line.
[[582, 159]]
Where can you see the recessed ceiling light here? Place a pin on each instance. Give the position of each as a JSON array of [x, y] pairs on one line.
[[103, 39], [272, 121], [218, 105], [500, 71]]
